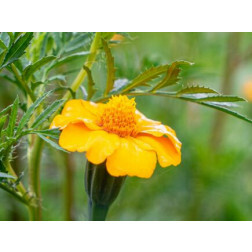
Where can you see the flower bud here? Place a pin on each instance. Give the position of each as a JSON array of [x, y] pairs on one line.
[[102, 189]]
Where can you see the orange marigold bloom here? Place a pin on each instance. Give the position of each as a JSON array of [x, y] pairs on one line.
[[117, 37], [247, 90], [116, 132]]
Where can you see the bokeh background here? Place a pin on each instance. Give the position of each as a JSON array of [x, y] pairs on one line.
[[214, 180]]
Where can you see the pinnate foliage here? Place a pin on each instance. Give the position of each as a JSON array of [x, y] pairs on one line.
[[34, 62]]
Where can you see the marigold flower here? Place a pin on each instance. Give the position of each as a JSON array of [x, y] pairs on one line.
[[247, 90], [117, 37], [116, 132]]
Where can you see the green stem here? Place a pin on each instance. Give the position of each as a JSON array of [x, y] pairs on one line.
[[89, 62], [20, 186], [24, 85], [97, 212], [14, 193], [26, 197], [34, 157], [68, 186]]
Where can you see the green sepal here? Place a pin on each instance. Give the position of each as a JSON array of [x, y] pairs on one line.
[[102, 189]]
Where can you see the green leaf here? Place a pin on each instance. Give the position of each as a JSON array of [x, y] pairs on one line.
[[6, 109], [17, 49], [2, 122], [52, 143], [2, 45], [79, 42], [26, 117], [196, 90], [60, 78], [67, 59], [31, 69], [226, 110], [91, 90], [110, 68], [47, 113], [12, 118], [16, 35], [2, 56], [198, 101], [53, 133], [171, 77], [11, 36], [6, 175], [217, 98], [148, 75]]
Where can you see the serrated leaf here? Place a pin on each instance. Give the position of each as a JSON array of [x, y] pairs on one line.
[[31, 69], [5, 109], [67, 59], [213, 98], [209, 104], [226, 110], [110, 68], [26, 117], [2, 122], [120, 84], [17, 49], [90, 90], [61, 78], [78, 42], [196, 90], [6, 175], [53, 133], [52, 143], [12, 118], [47, 113], [172, 75], [148, 75]]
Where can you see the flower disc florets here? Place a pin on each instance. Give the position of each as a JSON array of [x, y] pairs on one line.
[[119, 117]]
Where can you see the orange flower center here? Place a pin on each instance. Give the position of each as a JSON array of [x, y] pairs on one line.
[[119, 116]]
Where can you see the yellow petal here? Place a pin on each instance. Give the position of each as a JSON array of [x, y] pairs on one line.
[[130, 159], [98, 144], [103, 145], [75, 137], [61, 122], [157, 129], [143, 121], [78, 110], [167, 153]]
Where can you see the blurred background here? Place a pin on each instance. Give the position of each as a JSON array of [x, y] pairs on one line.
[[213, 182]]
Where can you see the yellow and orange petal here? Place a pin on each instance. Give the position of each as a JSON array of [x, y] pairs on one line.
[[98, 144], [117, 132], [130, 159], [75, 111], [166, 151]]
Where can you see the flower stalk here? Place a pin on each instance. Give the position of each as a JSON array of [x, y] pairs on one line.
[[102, 190], [89, 62]]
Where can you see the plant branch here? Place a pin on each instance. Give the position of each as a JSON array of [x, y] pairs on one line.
[[24, 84], [89, 62]]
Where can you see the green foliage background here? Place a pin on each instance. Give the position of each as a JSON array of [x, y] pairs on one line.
[[213, 181]]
